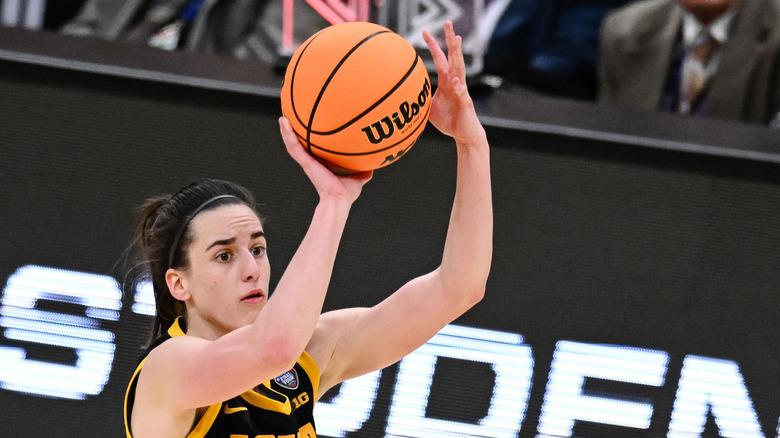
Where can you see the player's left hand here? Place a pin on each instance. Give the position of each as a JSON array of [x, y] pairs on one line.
[[452, 110]]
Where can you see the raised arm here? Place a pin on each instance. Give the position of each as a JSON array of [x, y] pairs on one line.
[[291, 315], [469, 246], [187, 372], [351, 342]]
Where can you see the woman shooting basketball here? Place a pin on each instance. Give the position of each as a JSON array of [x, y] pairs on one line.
[[231, 362]]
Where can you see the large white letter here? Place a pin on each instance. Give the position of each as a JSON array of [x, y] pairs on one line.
[[23, 322], [350, 408], [510, 360], [144, 299], [778, 428], [714, 385], [27, 13], [564, 402]]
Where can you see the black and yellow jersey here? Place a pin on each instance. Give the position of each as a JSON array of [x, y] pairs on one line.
[[282, 407]]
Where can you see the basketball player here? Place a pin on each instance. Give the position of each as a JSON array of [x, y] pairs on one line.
[[229, 362]]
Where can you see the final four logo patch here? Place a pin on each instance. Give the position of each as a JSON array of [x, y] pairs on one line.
[[288, 380]]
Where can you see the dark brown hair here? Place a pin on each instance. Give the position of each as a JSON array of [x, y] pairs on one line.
[[162, 239]]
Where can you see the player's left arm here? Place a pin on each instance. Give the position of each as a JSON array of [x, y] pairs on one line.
[[350, 342]]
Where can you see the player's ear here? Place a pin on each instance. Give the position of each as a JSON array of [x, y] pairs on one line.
[[177, 284]]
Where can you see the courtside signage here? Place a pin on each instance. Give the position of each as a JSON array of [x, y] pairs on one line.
[[707, 388]]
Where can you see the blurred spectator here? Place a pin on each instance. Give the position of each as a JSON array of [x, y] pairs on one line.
[[713, 58], [550, 46], [240, 28]]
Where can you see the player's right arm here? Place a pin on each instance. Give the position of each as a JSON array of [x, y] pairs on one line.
[[186, 373]]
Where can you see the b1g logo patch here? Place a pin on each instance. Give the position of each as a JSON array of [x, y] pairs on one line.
[[288, 380]]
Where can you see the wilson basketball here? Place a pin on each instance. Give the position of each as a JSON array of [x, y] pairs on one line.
[[357, 95]]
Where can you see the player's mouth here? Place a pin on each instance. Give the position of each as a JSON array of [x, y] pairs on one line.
[[255, 296]]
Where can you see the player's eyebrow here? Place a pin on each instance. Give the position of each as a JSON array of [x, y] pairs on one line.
[[222, 242]]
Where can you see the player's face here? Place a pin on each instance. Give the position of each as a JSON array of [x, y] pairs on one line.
[[228, 274]]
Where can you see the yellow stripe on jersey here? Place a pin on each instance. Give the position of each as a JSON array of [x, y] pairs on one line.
[[205, 422], [312, 370], [127, 396]]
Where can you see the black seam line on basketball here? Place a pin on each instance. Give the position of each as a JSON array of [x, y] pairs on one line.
[[352, 154], [330, 78], [377, 103], [292, 83]]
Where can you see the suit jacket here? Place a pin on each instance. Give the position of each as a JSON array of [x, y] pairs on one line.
[[636, 51]]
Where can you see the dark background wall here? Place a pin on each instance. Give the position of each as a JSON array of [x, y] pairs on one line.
[[637, 232]]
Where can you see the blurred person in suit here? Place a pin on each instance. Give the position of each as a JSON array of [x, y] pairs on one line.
[[711, 58]]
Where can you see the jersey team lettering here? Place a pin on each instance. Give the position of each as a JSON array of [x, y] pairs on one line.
[[306, 431]]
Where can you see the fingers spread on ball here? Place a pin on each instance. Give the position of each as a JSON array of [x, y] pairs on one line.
[[294, 147]]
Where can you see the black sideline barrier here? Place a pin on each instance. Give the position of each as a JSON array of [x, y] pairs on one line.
[[635, 283]]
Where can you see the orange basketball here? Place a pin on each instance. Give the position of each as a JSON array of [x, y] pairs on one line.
[[357, 95]]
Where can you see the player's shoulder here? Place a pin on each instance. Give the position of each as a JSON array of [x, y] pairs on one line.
[[168, 352], [331, 327]]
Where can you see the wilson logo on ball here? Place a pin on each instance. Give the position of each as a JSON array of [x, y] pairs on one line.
[[376, 132]]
